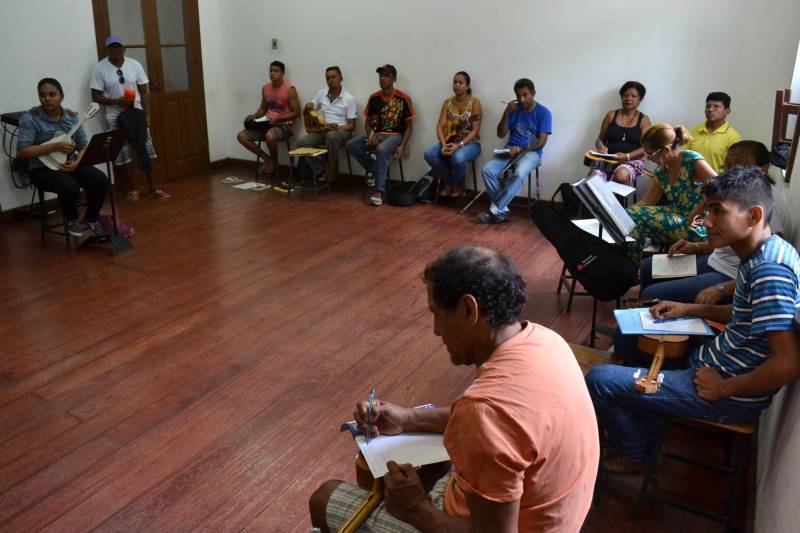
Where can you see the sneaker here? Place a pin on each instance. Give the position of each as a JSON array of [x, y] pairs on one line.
[[370, 179], [486, 218], [97, 229], [505, 216], [76, 228], [376, 199]]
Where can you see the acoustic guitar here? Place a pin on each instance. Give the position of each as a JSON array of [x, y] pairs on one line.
[[54, 160], [609, 158], [661, 346], [314, 122]]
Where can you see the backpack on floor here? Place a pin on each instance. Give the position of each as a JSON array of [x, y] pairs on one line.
[[400, 194], [107, 222], [604, 270]]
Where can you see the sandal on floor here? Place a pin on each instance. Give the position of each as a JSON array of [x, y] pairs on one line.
[[158, 193], [132, 196]]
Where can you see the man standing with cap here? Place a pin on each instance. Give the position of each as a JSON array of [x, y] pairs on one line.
[[118, 83], [388, 113]]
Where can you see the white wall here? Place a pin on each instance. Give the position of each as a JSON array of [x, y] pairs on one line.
[[568, 48], [778, 478], [578, 53], [778, 473], [53, 38]]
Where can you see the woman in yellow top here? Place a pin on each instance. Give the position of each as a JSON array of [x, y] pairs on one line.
[[459, 135]]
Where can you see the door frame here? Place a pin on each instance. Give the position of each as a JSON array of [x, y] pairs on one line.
[[155, 66]]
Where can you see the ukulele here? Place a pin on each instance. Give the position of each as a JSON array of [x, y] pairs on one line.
[[54, 160], [609, 158], [314, 122], [671, 346]]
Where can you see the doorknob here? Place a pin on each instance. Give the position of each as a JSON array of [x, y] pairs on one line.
[[154, 86]]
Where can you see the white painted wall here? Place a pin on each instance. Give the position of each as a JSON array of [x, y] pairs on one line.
[[53, 38], [778, 473], [680, 53], [578, 53]]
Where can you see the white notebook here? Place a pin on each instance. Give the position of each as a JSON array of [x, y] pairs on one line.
[[415, 448], [677, 266], [252, 186]]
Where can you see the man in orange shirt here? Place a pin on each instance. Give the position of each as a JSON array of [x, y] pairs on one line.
[[522, 438]]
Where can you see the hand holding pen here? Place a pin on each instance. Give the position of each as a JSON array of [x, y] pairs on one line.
[[383, 418], [666, 310]]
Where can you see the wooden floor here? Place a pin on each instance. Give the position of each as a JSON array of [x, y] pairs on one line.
[[197, 382]]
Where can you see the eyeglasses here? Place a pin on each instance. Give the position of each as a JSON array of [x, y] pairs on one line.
[[651, 155], [121, 77]]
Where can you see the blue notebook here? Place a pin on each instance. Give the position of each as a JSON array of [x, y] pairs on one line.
[[631, 322]]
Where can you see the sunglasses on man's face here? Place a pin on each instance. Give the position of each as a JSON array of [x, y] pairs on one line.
[[121, 77]]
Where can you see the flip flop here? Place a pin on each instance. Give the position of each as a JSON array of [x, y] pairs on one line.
[[158, 193], [232, 180]]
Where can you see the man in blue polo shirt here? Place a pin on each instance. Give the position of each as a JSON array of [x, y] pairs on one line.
[[733, 376], [528, 123]]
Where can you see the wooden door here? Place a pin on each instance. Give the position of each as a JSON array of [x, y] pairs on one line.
[[164, 36]]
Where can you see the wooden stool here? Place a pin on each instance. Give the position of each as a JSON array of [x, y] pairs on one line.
[[590, 357], [739, 435], [313, 183]]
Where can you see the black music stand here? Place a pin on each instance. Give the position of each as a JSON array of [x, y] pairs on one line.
[[104, 148], [511, 162]]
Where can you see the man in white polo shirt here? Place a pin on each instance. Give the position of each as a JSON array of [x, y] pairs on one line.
[[338, 108], [118, 83]]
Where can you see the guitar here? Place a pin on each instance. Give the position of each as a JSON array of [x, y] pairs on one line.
[[609, 158], [660, 346], [54, 160], [314, 122]]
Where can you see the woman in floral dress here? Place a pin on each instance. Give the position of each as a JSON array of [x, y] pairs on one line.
[[678, 180]]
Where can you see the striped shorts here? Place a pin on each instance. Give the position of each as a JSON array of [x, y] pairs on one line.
[[347, 498], [126, 154]]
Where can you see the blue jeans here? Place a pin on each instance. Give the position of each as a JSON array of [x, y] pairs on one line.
[[681, 289], [452, 169], [387, 145], [500, 191], [634, 420]]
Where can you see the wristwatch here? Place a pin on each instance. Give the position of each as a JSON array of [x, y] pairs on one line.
[[721, 288]]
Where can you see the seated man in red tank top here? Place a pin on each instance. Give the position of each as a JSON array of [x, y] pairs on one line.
[[280, 104]]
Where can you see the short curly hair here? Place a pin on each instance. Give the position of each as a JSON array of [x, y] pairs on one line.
[[489, 276]]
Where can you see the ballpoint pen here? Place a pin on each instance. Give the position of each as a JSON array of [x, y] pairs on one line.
[[369, 413]]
